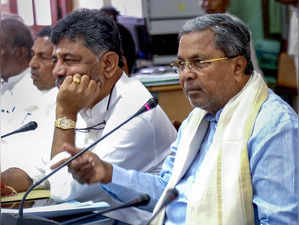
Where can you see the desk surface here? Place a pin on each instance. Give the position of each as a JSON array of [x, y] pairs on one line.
[[172, 100]]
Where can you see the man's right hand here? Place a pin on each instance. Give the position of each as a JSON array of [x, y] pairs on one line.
[[87, 168]]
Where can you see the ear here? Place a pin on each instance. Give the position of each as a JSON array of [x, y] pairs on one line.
[[110, 64], [125, 66], [239, 67]]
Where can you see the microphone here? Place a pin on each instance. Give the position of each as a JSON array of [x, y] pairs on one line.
[[22, 220], [140, 200], [32, 125], [170, 196], [150, 104]]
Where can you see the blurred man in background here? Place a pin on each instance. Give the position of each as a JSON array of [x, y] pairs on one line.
[[15, 52], [293, 42], [30, 102], [127, 41]]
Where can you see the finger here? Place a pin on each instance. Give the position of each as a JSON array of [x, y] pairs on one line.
[[94, 87], [67, 81], [76, 79], [59, 163], [86, 168], [78, 163], [84, 82], [70, 149], [82, 174], [85, 174], [88, 177]]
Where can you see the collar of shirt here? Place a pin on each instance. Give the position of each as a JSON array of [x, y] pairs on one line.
[[100, 112], [213, 118]]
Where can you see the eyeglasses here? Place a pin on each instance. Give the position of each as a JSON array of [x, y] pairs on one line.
[[195, 64]]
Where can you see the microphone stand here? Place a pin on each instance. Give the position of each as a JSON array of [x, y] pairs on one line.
[[169, 197], [139, 201]]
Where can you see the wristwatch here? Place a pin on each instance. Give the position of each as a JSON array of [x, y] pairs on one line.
[[65, 123]]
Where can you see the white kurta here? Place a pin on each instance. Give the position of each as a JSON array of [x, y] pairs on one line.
[[20, 103], [142, 144]]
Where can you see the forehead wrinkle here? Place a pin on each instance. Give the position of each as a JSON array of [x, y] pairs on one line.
[[197, 44]]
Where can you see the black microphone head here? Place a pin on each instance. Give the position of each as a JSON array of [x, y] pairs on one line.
[[151, 103], [170, 195], [32, 125], [142, 199]]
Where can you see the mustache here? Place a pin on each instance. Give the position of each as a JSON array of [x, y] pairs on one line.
[[34, 72], [59, 81]]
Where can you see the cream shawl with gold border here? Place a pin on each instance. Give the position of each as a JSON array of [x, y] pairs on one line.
[[222, 194]]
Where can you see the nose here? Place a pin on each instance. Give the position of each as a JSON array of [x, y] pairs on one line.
[[59, 70], [186, 75], [33, 63], [187, 67]]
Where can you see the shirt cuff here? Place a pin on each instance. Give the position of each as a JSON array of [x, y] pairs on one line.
[[120, 176]]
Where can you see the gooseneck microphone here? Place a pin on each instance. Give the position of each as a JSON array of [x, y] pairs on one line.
[[32, 125], [140, 200], [170, 196], [32, 220]]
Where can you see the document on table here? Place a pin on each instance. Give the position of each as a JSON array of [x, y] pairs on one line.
[[62, 209], [33, 195]]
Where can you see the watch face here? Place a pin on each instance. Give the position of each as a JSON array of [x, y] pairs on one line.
[[65, 123]]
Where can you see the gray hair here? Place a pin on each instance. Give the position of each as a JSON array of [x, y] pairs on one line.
[[232, 36]]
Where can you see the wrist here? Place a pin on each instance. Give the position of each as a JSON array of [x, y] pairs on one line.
[[63, 112], [109, 170], [65, 123]]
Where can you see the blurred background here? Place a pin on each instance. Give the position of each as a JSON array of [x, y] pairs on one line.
[[154, 25]]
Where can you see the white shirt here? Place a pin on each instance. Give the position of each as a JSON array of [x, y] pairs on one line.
[[20, 103], [11, 82], [142, 144]]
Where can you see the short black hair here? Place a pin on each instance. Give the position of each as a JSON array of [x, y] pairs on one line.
[[128, 47], [45, 32], [99, 32], [110, 11]]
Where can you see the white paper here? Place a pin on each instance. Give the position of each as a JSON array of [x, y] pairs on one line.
[[63, 209]]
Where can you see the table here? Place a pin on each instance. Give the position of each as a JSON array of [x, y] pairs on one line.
[[172, 100]]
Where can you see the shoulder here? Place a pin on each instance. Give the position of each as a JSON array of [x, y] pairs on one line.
[[132, 86], [276, 126], [274, 112]]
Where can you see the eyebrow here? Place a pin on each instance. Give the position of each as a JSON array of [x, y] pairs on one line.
[[65, 55], [195, 57]]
